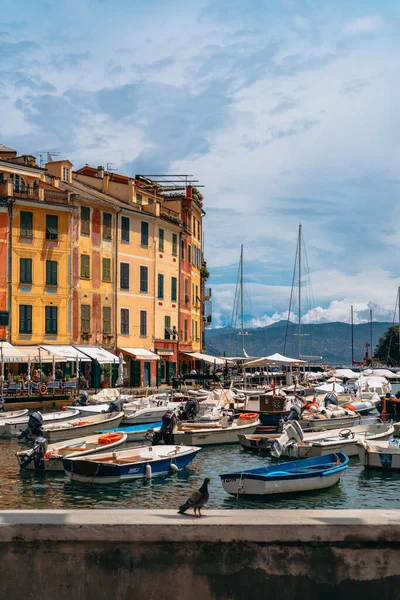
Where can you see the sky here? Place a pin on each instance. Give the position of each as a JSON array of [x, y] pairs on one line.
[[285, 110]]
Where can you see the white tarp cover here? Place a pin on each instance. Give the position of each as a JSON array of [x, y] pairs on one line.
[[105, 395], [141, 353], [384, 373], [372, 383], [10, 353], [347, 374], [40, 354], [207, 358], [277, 359], [103, 357], [219, 398], [68, 352], [330, 387]]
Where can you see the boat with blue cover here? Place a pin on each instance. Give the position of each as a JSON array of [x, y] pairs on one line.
[[135, 433], [289, 477], [135, 463]]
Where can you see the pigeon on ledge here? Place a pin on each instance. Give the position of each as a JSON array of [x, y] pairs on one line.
[[197, 500]]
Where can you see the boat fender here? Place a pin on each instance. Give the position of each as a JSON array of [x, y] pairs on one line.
[[147, 472], [173, 467], [110, 438], [248, 416], [349, 407]]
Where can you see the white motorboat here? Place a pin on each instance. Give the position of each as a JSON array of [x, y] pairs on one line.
[[81, 427], [11, 415], [49, 457], [292, 443], [219, 432], [16, 426], [384, 455], [317, 423]]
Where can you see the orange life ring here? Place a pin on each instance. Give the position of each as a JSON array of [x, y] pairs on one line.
[[42, 389], [310, 404], [110, 438], [79, 423], [248, 416], [52, 454], [350, 407]]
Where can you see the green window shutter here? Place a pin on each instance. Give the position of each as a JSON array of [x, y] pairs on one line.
[[124, 276], [51, 272], [52, 227], [107, 220], [189, 253], [85, 318], [124, 321], [174, 285], [106, 269], [144, 233], [106, 319], [144, 279], [160, 285], [25, 318], [51, 319], [26, 224], [174, 244], [161, 240], [25, 270], [125, 226], [85, 220], [143, 323], [85, 266]]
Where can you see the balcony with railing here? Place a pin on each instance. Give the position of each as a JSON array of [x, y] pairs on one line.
[[207, 293], [55, 196], [171, 215], [207, 318]]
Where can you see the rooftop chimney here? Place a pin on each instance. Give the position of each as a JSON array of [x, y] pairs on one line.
[[100, 172]]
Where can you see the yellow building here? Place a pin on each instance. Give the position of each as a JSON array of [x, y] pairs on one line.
[[39, 286]]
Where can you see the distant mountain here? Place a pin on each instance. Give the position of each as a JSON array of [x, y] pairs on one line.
[[332, 341]]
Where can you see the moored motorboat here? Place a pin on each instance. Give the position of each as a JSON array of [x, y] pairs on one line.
[[220, 432], [298, 476], [8, 416], [136, 433], [135, 463], [81, 427], [17, 426], [44, 457], [384, 455]]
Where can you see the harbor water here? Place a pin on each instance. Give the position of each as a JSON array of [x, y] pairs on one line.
[[29, 490]]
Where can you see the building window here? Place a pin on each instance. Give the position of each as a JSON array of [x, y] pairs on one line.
[[125, 229], [52, 227], [25, 270], [143, 323], [106, 319], [25, 318], [198, 230], [18, 183], [174, 289], [182, 250], [168, 331], [124, 321], [189, 252], [197, 295], [161, 240], [106, 275], [51, 272], [139, 198], [193, 296], [51, 319], [186, 330], [196, 329], [174, 244], [124, 276], [85, 266], [194, 226], [26, 224], [85, 220], [85, 318], [65, 174], [107, 221], [144, 279], [144, 234], [160, 286]]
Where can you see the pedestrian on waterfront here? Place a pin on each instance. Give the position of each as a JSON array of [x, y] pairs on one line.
[[59, 374]]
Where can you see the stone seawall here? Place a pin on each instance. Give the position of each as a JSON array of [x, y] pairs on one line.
[[243, 554]]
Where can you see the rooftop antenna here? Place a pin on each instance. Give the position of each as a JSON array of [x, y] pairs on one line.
[[50, 155], [110, 167], [46, 156]]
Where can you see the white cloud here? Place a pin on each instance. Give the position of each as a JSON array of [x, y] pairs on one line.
[[364, 26]]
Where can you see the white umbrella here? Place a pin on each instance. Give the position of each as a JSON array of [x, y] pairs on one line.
[[2, 372], [120, 380], [330, 387], [28, 375], [77, 371], [54, 367]]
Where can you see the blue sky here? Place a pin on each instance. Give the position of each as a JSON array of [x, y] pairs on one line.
[[285, 110]]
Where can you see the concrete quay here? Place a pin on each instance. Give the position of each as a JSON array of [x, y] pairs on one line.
[[230, 555]]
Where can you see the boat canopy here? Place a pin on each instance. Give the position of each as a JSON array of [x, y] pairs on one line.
[[103, 357], [277, 359], [384, 373], [140, 353], [346, 374], [330, 387], [373, 383]]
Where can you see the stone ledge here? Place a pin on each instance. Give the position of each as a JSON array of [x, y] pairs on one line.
[[265, 526]]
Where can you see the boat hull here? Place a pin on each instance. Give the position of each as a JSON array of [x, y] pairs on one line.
[[333, 423], [14, 427], [212, 437], [136, 433], [252, 487], [55, 434], [378, 460]]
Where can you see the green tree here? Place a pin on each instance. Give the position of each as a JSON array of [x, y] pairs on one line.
[[387, 349]]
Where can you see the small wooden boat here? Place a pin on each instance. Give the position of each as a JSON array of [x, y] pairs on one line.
[[299, 476], [51, 458], [136, 433], [318, 422], [10, 415], [140, 462], [16, 426], [220, 432], [384, 455], [81, 427]]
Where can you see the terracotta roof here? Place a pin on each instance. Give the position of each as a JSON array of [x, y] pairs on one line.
[[6, 149]]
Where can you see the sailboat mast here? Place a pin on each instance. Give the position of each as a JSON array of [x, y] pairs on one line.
[[370, 332], [241, 297], [398, 301], [352, 336], [299, 319]]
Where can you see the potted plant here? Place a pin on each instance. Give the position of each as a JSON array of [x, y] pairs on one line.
[[105, 375]]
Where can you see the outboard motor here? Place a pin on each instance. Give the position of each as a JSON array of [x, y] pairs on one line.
[[295, 413], [331, 398], [83, 400], [115, 406], [34, 427], [190, 411], [36, 455], [166, 431]]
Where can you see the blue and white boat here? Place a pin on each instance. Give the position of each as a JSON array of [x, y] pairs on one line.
[[290, 477], [135, 463], [135, 433]]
